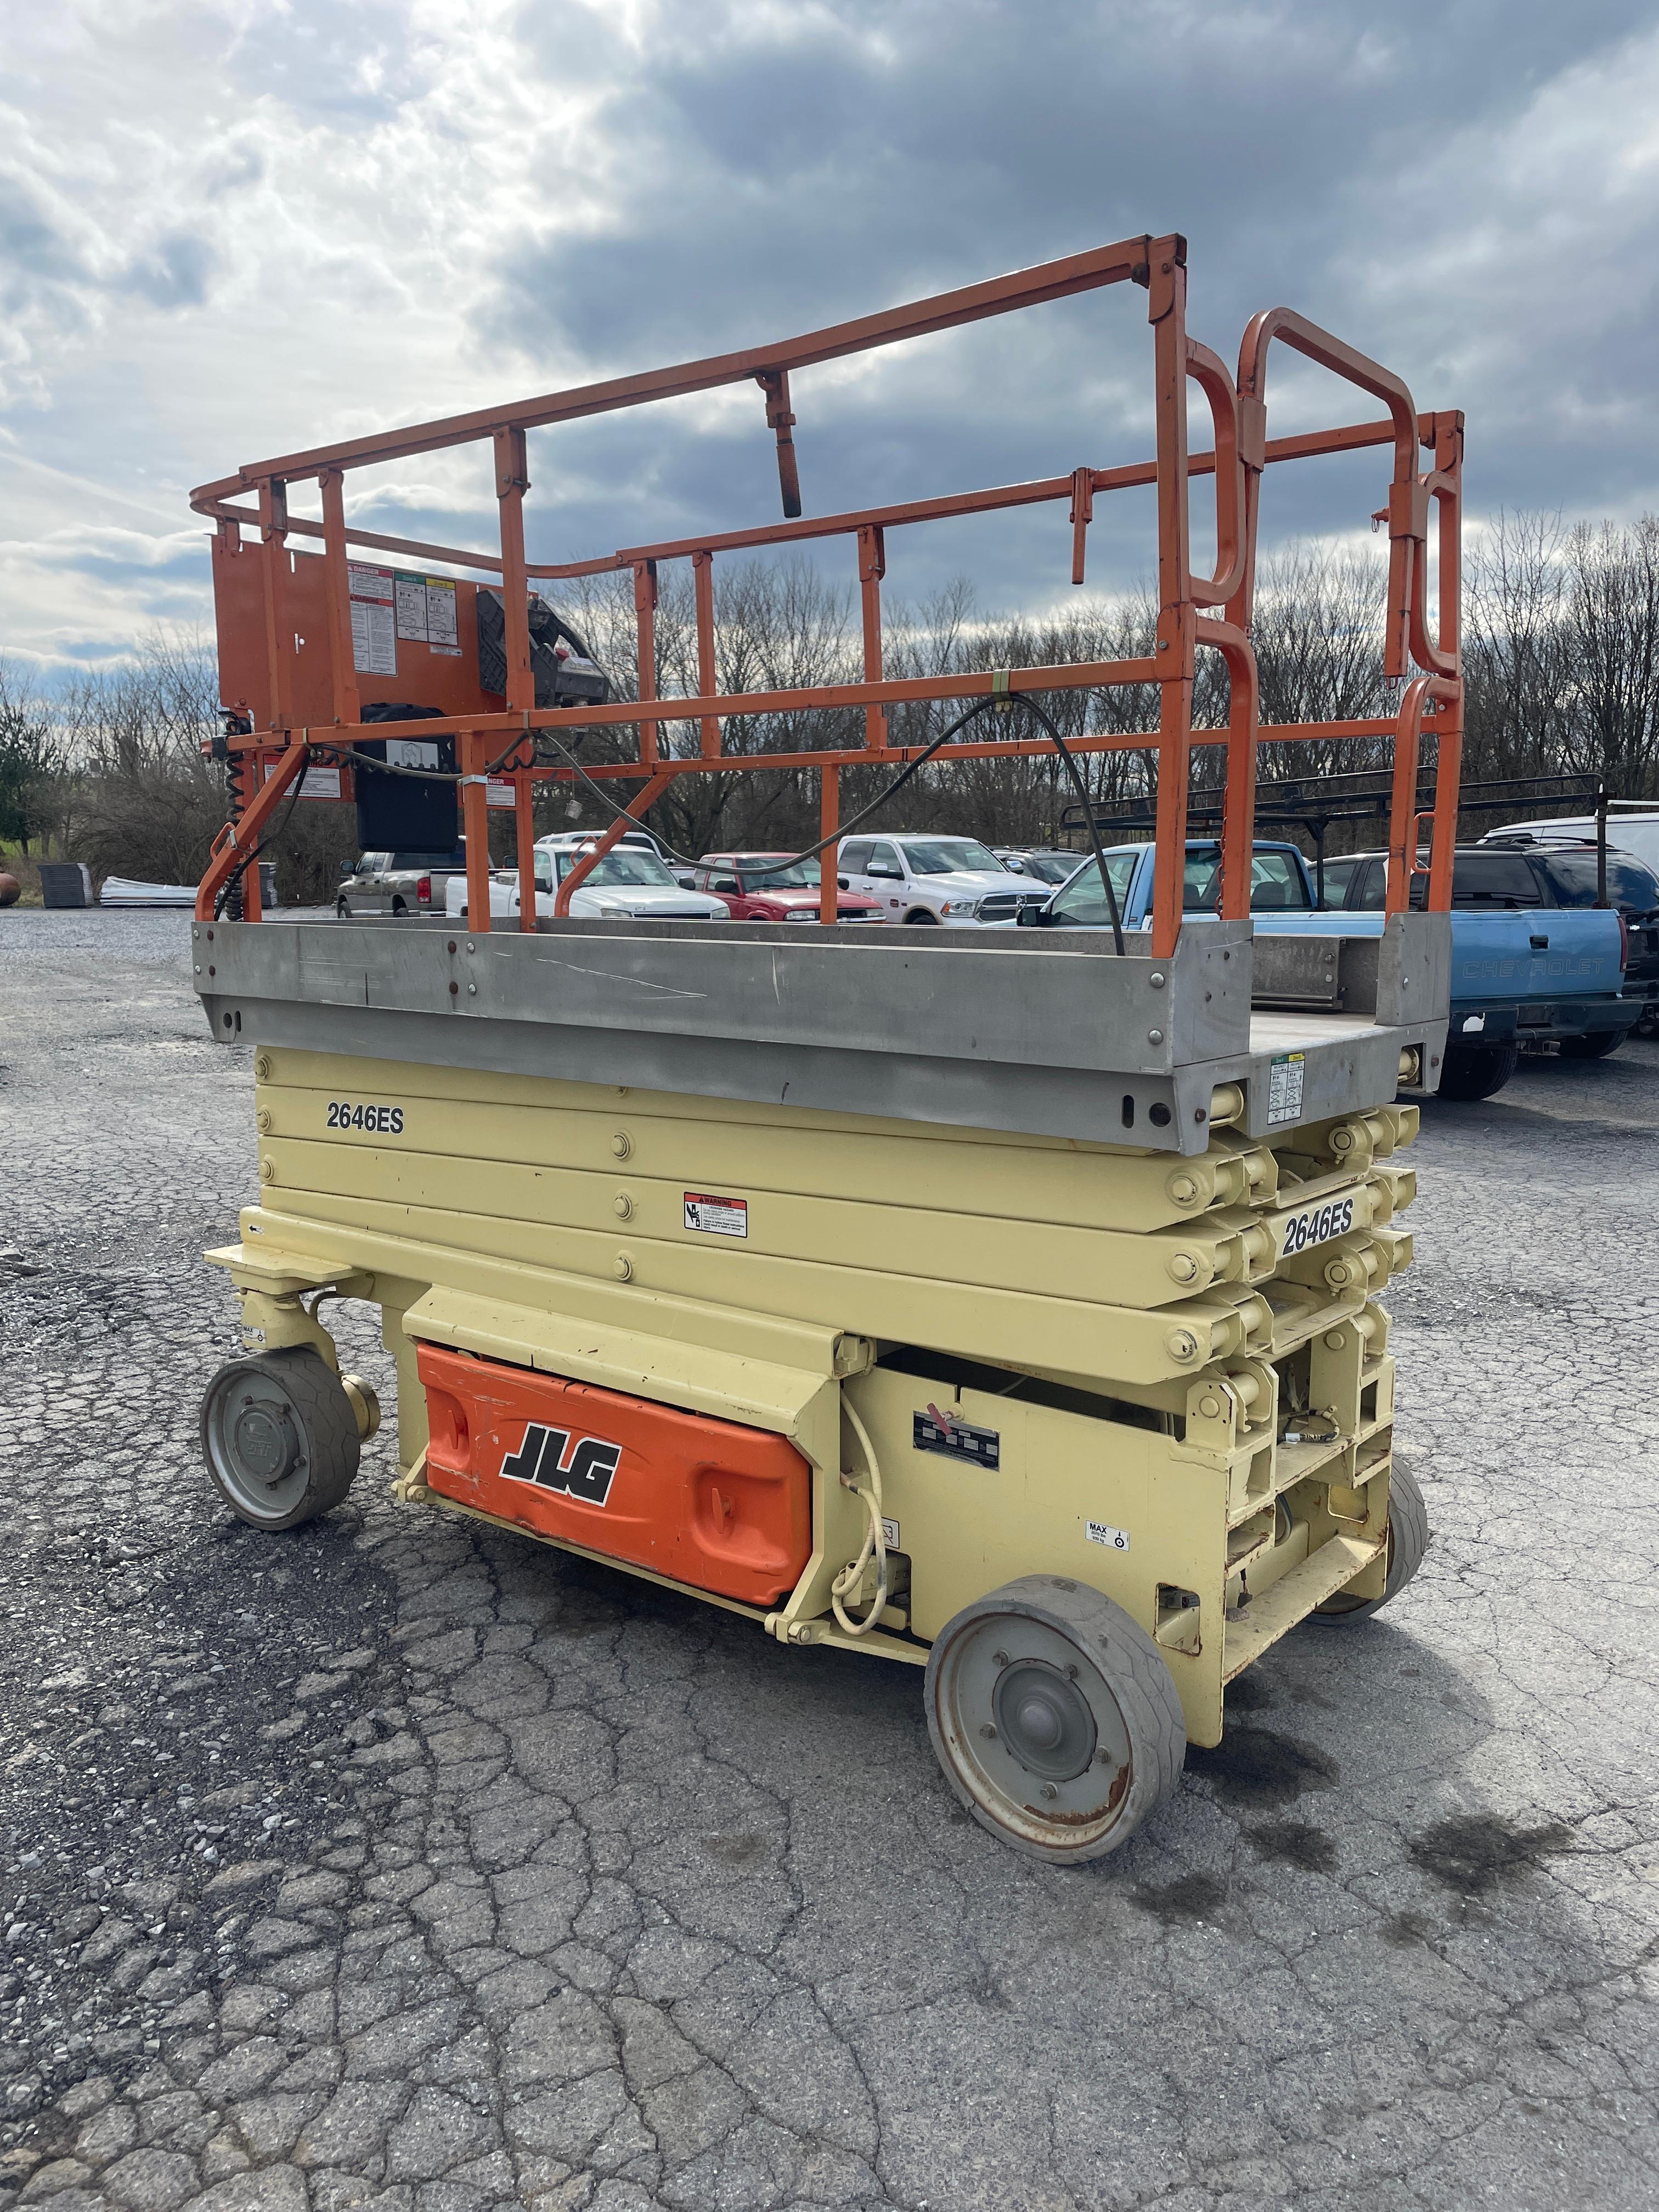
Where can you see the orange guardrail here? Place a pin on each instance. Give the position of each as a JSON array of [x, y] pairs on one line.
[[293, 673]]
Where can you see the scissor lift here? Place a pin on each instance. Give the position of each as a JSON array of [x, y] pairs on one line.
[[1004, 1304]]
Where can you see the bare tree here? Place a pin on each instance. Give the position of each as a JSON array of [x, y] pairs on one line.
[[1612, 595], [31, 764], [1517, 649]]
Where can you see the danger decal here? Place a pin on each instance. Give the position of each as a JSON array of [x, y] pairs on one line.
[[552, 1459]]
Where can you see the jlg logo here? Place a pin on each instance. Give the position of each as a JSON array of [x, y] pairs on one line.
[[588, 1473]]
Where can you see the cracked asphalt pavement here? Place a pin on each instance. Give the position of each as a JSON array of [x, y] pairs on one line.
[[404, 1863]]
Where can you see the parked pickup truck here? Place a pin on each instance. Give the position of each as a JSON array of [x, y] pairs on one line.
[[1514, 971], [399, 882], [629, 883], [1570, 872], [1532, 962], [934, 879]]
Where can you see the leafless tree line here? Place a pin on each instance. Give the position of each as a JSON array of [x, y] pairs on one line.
[[1561, 650], [1561, 653]]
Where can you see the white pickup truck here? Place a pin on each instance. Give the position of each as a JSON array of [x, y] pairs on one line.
[[934, 879], [630, 884]]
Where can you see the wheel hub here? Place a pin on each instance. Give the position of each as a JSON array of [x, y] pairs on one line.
[[1044, 1720], [263, 1439]]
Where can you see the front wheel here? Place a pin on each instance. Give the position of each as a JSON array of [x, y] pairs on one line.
[[281, 1437], [342, 909], [1597, 1047], [1408, 1540], [1473, 1073], [922, 916], [1054, 1718]]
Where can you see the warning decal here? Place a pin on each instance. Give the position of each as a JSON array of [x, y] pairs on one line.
[[441, 634], [716, 1217], [374, 620], [1284, 1088], [426, 613]]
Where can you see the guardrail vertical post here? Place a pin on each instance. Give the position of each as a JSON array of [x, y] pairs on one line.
[[475, 822], [524, 823], [348, 700], [872, 567], [511, 482], [703, 580], [829, 858], [279, 629], [645, 615], [1448, 754], [1238, 801], [1175, 643], [1447, 482], [253, 883], [1402, 811]]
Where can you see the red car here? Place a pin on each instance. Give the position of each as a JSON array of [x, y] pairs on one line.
[[772, 887]]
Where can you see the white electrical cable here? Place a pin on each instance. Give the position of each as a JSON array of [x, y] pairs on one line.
[[853, 1574]]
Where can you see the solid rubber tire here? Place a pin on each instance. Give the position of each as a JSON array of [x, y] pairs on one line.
[[1140, 1683], [1408, 1540], [327, 1421], [1474, 1071], [1597, 1046]]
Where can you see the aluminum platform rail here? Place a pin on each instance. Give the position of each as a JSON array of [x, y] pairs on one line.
[[1045, 1033]]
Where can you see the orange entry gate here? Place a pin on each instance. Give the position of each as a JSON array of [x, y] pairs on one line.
[[724, 1507]]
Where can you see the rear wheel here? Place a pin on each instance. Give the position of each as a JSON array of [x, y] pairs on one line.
[[1470, 1073], [280, 1437], [1054, 1718], [399, 907], [1592, 1047], [1408, 1540]]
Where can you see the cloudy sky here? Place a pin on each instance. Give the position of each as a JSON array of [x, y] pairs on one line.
[[231, 228]]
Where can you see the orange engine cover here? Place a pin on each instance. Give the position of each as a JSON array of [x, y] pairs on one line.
[[721, 1506]]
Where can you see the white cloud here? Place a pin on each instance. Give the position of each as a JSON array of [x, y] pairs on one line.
[[230, 228]]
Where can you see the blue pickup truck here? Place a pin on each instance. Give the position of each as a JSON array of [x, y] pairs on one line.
[[1517, 974]]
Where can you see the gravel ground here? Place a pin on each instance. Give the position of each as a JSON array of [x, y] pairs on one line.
[[393, 1864]]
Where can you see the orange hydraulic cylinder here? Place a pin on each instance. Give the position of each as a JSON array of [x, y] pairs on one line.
[[722, 1507]]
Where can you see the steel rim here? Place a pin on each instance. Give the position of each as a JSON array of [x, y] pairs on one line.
[[1032, 1731], [257, 1445]]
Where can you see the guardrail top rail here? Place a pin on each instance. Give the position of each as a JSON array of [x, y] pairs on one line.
[[310, 692]]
